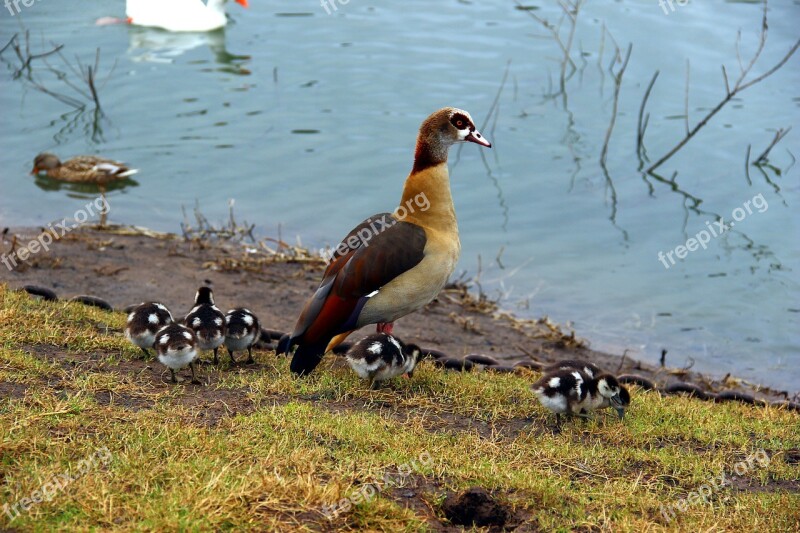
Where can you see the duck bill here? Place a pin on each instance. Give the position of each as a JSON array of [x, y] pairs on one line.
[[476, 137], [243, 3]]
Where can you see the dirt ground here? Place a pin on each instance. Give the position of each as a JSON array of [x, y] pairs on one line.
[[124, 268]]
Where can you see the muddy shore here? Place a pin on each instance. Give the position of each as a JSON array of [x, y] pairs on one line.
[[125, 266]]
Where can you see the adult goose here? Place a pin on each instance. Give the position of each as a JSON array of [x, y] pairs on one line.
[[392, 263], [179, 15]]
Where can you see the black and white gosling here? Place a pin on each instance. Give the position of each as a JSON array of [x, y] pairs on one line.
[[574, 364], [207, 322], [176, 347], [572, 392], [381, 356], [591, 371], [242, 330], [144, 321]]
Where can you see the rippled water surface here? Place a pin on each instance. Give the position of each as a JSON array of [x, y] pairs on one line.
[[308, 120]]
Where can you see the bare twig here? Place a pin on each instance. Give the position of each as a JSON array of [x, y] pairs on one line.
[[738, 87], [604, 152], [8, 44], [780, 134], [686, 100], [617, 85], [25, 57], [725, 77], [24, 70], [790, 164], [90, 82], [747, 166], [570, 10], [205, 231], [643, 121]]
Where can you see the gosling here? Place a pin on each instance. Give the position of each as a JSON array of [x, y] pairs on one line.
[[382, 356], [571, 392]]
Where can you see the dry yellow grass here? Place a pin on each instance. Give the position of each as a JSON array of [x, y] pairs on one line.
[[258, 449]]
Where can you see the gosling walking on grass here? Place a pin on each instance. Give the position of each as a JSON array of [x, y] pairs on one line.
[[571, 392], [242, 331], [176, 347], [143, 323], [207, 322], [381, 356], [592, 371]]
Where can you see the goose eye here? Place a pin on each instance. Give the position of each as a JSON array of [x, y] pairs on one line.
[[459, 124]]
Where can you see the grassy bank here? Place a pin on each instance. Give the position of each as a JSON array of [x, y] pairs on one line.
[[255, 448]]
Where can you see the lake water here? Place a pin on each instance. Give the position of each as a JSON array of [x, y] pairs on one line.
[[308, 121]]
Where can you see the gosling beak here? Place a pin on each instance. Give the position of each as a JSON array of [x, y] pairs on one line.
[[616, 402], [476, 137]]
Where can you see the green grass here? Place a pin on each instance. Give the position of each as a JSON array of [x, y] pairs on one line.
[[259, 449]]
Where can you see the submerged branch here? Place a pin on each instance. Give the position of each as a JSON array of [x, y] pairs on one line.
[[615, 105], [730, 93], [779, 135], [641, 152]]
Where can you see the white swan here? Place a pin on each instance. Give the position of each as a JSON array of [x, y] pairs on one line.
[[178, 15]]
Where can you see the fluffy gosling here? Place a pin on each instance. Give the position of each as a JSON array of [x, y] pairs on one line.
[[143, 323], [176, 347], [242, 330], [381, 356]]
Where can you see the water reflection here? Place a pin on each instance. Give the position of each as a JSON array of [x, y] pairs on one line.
[[82, 190], [159, 46]]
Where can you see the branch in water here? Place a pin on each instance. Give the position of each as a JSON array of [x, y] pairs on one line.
[[730, 93]]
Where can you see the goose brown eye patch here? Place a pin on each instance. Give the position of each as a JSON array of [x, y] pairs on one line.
[[459, 121]]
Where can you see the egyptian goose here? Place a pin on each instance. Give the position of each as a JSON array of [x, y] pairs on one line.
[[87, 169], [569, 391], [143, 323], [242, 331], [392, 263], [207, 322], [176, 347], [179, 15], [381, 356]]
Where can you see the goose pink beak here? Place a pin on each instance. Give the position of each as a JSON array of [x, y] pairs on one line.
[[476, 137]]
